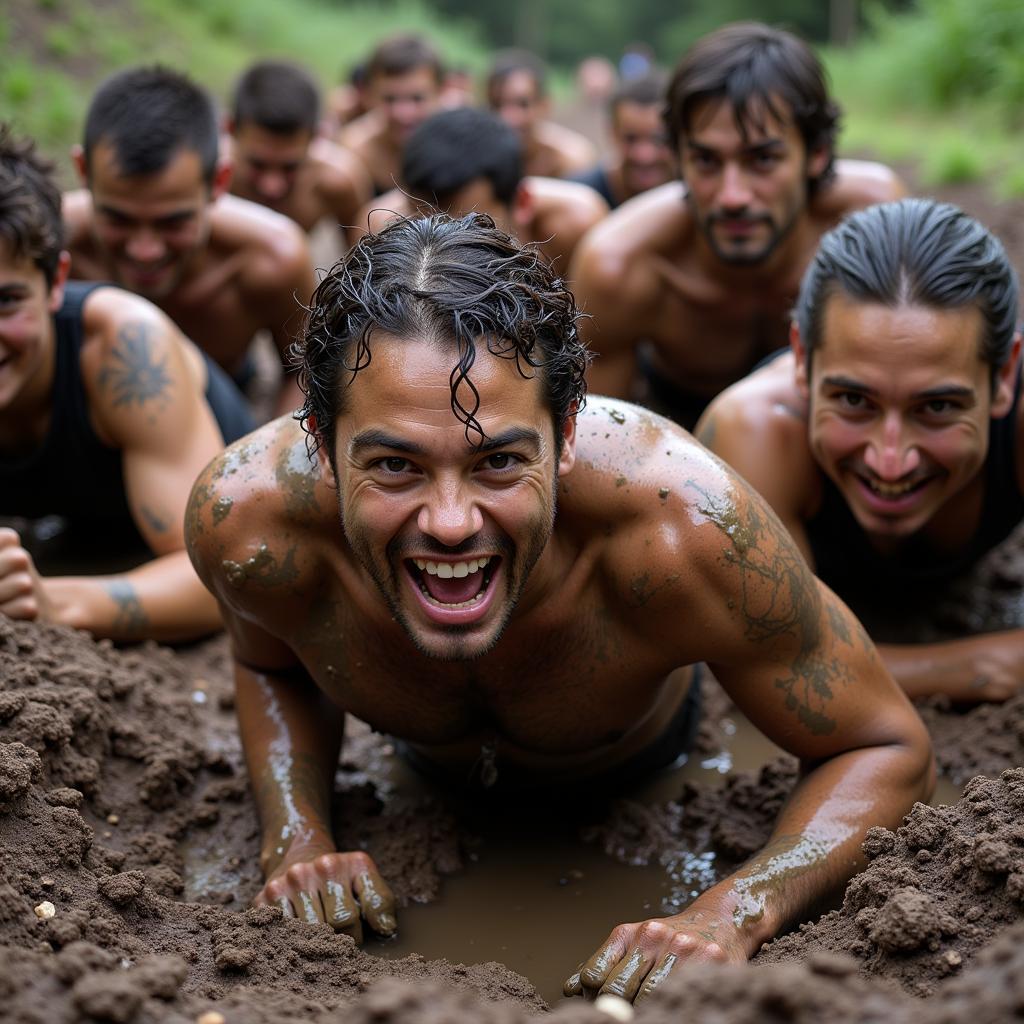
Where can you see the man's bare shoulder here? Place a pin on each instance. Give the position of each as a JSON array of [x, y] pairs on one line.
[[572, 151], [256, 516], [661, 500], [857, 184], [564, 206], [759, 427], [362, 133], [274, 247], [341, 177], [640, 232]]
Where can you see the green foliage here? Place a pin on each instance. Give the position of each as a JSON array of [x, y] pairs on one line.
[[952, 162], [60, 41], [17, 81]]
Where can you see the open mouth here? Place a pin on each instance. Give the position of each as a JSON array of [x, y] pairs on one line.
[[454, 585], [895, 491]]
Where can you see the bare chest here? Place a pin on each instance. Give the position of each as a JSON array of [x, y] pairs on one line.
[[552, 687]]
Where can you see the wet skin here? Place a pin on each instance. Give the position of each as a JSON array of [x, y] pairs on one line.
[[719, 258], [895, 407], [561, 656]]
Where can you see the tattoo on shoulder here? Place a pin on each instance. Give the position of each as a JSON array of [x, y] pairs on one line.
[[780, 598], [132, 374], [131, 619]]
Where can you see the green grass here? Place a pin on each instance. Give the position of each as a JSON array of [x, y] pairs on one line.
[[212, 40]]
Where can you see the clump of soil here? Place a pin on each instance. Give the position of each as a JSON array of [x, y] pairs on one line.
[[115, 782], [936, 891]]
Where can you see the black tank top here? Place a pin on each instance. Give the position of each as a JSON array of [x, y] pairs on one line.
[[848, 563], [72, 473]]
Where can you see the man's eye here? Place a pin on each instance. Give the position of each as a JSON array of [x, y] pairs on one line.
[[939, 406], [851, 400], [501, 461], [394, 464]]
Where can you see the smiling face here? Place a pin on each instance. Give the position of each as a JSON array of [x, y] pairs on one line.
[[900, 404], [516, 98], [746, 193], [405, 100], [639, 135], [150, 228], [449, 533], [27, 305], [267, 164]]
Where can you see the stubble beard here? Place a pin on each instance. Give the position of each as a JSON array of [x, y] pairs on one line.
[[386, 578]]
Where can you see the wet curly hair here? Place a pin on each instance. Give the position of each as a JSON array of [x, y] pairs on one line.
[[456, 281]]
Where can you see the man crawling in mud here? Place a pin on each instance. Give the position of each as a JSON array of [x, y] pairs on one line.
[[413, 572]]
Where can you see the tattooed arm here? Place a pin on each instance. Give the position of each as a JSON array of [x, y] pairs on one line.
[[802, 669], [145, 400]]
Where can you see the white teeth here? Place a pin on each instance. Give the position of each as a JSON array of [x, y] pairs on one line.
[[890, 490], [446, 570]]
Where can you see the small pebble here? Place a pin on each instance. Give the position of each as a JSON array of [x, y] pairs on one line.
[[46, 882], [45, 910], [211, 1017], [614, 1006], [112, 819]]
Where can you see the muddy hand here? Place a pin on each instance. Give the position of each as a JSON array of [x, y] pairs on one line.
[[637, 957], [340, 889], [22, 595]]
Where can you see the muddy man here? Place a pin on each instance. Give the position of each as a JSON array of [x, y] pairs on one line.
[[413, 571]]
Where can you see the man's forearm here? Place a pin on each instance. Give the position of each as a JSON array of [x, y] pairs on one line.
[[985, 667], [161, 600], [291, 735], [816, 844]]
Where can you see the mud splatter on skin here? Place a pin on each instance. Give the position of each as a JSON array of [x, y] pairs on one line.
[[663, 493], [221, 508], [297, 476], [621, 481], [779, 597], [617, 417], [641, 590], [262, 568]]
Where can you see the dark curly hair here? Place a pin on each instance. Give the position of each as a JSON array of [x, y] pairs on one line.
[[454, 280], [30, 217]]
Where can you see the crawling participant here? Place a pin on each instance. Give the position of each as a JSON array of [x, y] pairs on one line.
[[106, 416], [890, 441], [696, 278], [279, 158], [404, 79], [517, 92], [516, 589], [466, 160], [641, 157], [154, 217]]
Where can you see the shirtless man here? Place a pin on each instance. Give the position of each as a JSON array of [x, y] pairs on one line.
[[466, 160], [404, 78], [641, 157], [279, 158], [415, 574], [106, 416], [517, 93], [697, 279], [890, 441], [154, 218]]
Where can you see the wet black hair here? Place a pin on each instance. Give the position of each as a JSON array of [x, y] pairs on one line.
[[148, 115], [400, 54], [754, 68], [460, 282], [914, 252], [277, 96], [508, 62], [30, 215], [454, 147]]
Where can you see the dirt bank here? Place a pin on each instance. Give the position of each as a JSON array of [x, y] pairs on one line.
[[122, 799]]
